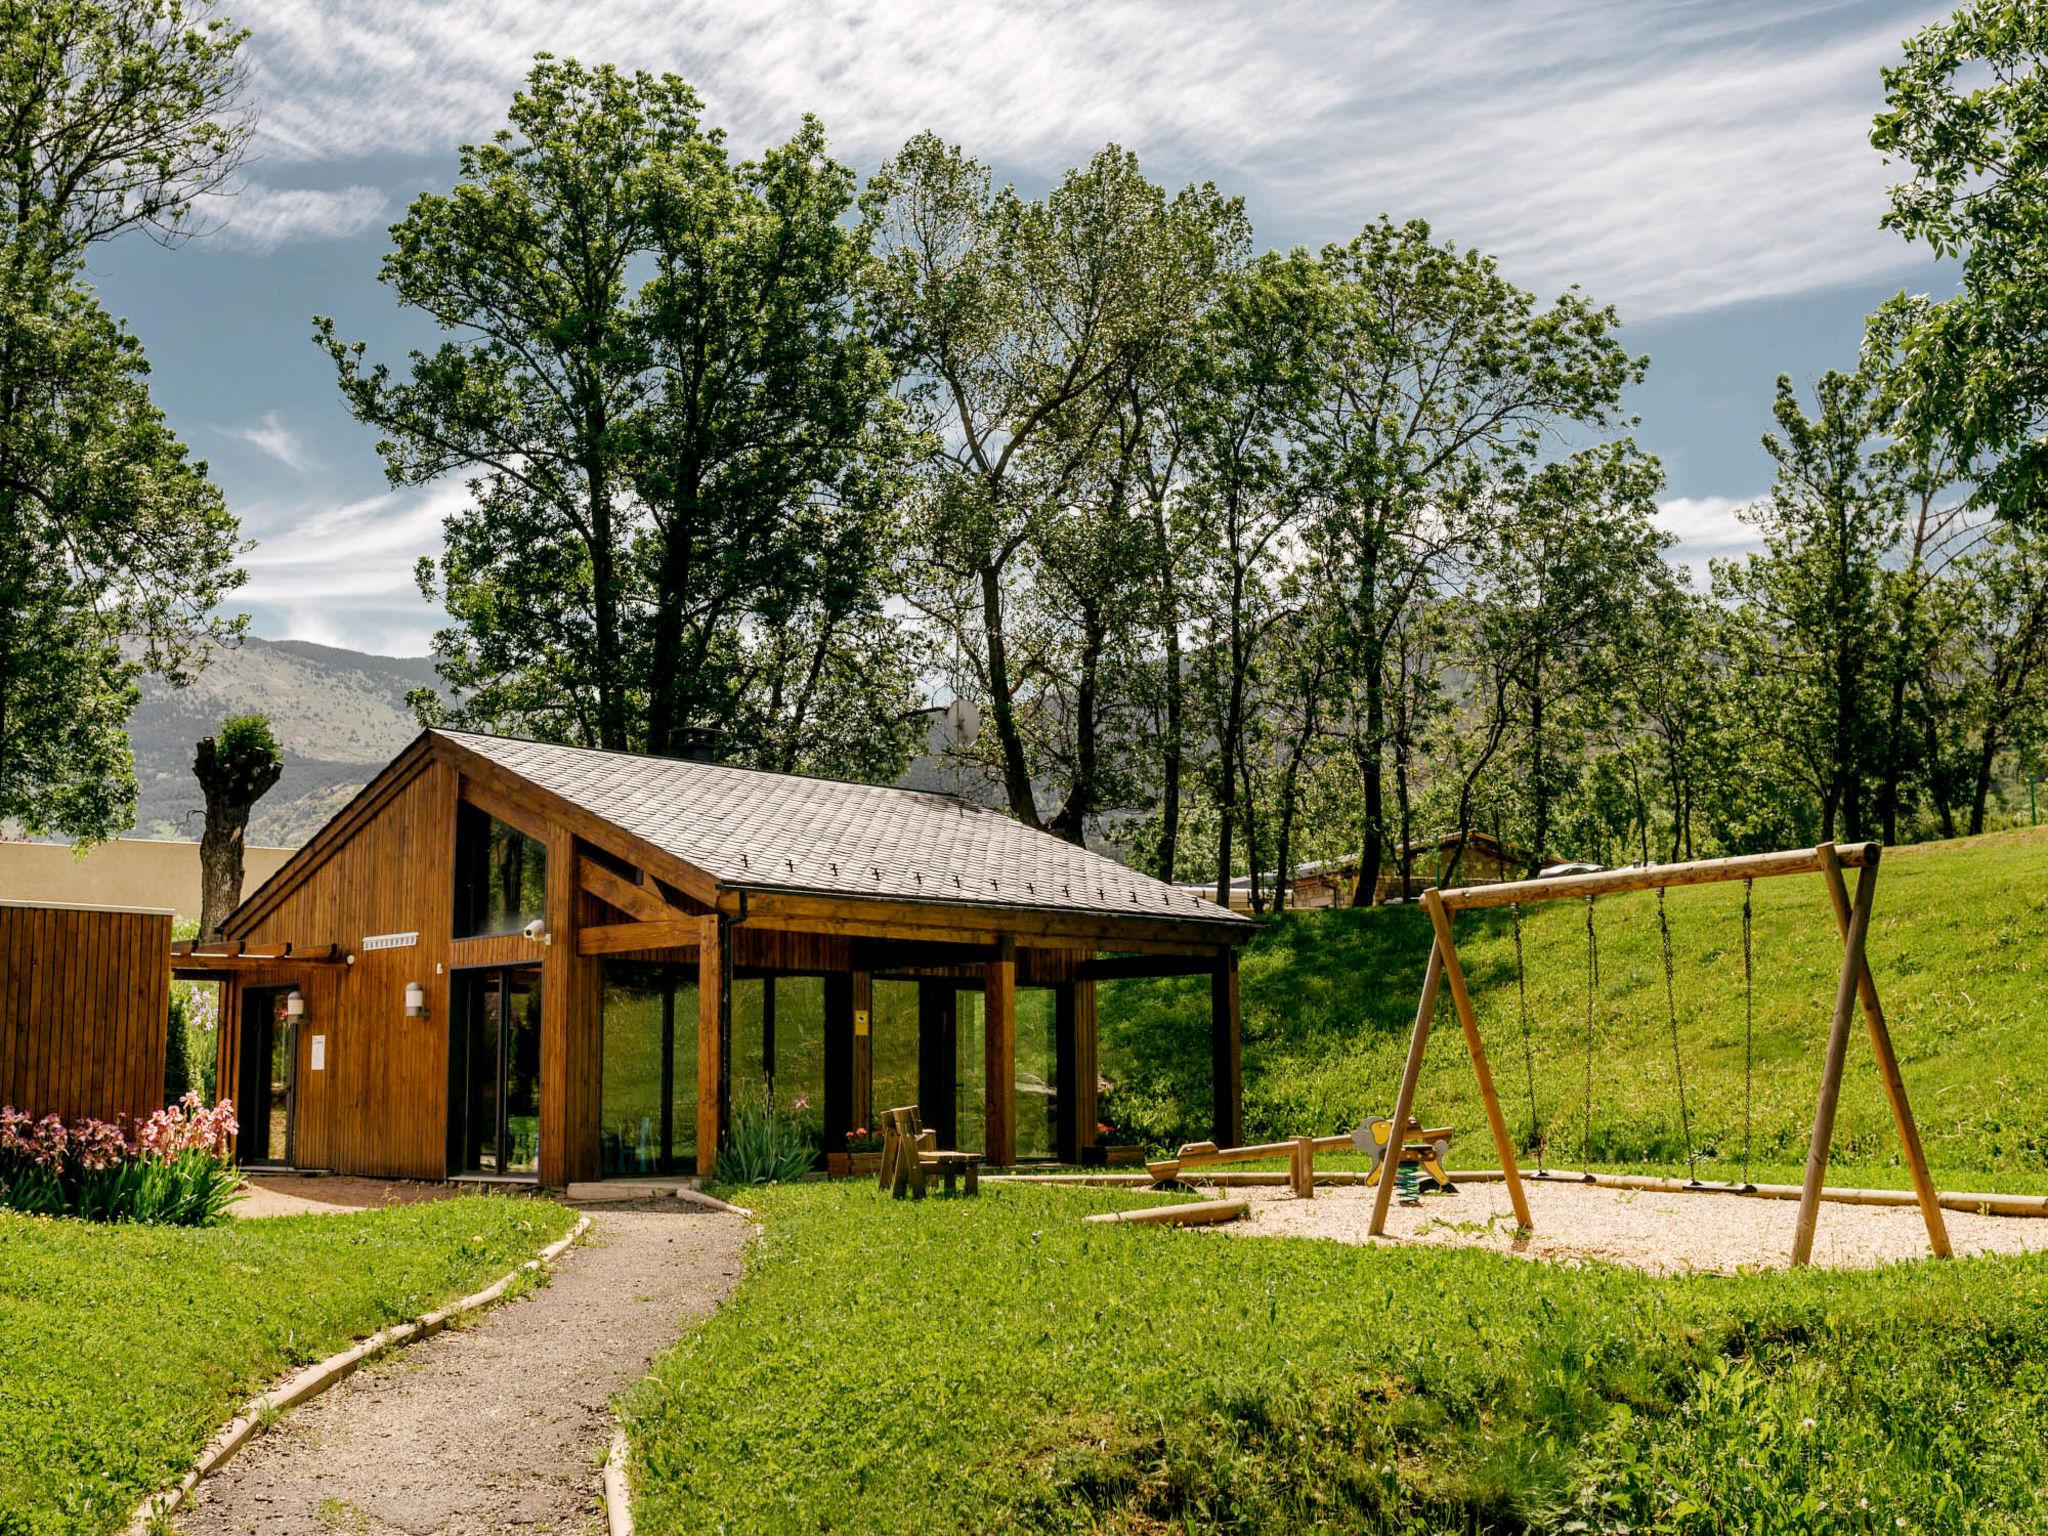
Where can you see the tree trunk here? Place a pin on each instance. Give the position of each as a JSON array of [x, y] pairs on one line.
[[1071, 822], [1539, 795], [1171, 756], [1980, 792], [1016, 770], [231, 789], [1366, 892]]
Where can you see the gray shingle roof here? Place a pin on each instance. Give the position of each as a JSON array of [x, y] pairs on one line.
[[745, 827]]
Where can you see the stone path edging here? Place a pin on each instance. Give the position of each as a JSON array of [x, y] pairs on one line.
[[260, 1411]]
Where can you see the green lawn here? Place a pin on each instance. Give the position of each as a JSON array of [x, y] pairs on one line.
[[994, 1364], [1959, 945], [123, 1348]]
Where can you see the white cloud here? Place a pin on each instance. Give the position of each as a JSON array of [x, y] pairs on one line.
[[355, 555], [1670, 158], [261, 218], [1706, 528], [270, 437]]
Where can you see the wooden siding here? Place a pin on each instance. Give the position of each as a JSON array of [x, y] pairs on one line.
[[380, 1105], [84, 999]]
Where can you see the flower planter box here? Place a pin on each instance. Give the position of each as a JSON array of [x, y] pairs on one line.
[[1102, 1155], [852, 1165]]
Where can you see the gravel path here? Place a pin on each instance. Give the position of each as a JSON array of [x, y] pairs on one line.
[[496, 1426], [1665, 1234]]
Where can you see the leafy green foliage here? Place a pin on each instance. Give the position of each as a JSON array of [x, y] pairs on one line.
[[1957, 941], [996, 1364], [123, 1348], [120, 113], [767, 1143], [1965, 111], [657, 373]]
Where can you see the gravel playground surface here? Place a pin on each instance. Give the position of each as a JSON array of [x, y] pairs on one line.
[[1665, 1234], [494, 1426]]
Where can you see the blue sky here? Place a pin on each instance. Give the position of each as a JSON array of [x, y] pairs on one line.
[[1703, 167]]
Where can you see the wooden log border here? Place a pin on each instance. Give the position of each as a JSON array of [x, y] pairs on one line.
[[304, 1385]]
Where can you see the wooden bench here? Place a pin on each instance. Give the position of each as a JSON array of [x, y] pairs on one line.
[[910, 1153]]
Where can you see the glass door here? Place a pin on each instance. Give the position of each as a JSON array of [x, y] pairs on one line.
[[494, 1072], [268, 1073]]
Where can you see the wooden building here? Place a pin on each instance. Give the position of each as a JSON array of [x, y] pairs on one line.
[[84, 999], [510, 959]]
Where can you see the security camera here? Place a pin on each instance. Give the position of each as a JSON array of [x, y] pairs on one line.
[[537, 931]]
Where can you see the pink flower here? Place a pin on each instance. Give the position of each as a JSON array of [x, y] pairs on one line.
[[801, 1101]]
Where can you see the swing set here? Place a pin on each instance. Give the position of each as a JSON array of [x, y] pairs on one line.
[[1857, 983]]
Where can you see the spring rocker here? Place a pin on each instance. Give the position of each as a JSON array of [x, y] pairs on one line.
[[1426, 1149], [1856, 984]]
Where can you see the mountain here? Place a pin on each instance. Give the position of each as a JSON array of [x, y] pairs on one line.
[[339, 715]]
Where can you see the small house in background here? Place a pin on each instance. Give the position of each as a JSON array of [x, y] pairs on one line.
[[511, 960], [125, 872]]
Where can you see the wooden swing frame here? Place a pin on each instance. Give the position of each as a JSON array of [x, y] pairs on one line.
[[1852, 920]]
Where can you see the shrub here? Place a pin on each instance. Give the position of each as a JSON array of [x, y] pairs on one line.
[[176, 1171], [767, 1145]]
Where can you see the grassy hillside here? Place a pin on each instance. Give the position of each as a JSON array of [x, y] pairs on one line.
[[1959, 943]]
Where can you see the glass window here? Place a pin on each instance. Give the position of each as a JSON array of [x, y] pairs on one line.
[[751, 1062], [970, 1078], [1037, 1072], [800, 1043], [892, 1046], [501, 875], [650, 1036]]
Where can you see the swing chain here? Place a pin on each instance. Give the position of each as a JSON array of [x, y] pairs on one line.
[[1748, 1027], [1592, 987], [1677, 1057], [1528, 1052]]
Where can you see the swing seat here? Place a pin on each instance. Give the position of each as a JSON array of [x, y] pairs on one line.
[[1430, 1148]]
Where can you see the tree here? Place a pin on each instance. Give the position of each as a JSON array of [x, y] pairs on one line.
[[675, 540], [1967, 111], [115, 550], [2006, 655], [1435, 373], [1811, 655], [1015, 318], [235, 766]]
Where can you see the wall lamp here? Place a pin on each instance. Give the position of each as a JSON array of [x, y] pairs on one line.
[[294, 1005], [415, 1000]]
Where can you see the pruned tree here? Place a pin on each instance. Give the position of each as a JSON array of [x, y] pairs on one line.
[[236, 766]]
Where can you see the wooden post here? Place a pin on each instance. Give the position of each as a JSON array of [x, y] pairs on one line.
[[570, 1028], [1302, 1167], [1888, 1062], [999, 1058], [1226, 1050], [1087, 1063], [1853, 965], [864, 1049], [1411, 1074], [1433, 902], [710, 1062]]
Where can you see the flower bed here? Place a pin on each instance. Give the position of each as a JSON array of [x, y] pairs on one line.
[[176, 1171]]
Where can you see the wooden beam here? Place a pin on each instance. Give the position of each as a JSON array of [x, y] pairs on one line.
[[1411, 1074], [999, 1060], [500, 806], [1751, 866], [614, 890], [972, 923], [1888, 1066], [570, 1029], [623, 938], [1226, 1050], [1853, 966], [593, 829], [710, 1066], [1454, 972]]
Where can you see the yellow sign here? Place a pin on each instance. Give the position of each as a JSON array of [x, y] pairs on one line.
[[860, 1021]]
